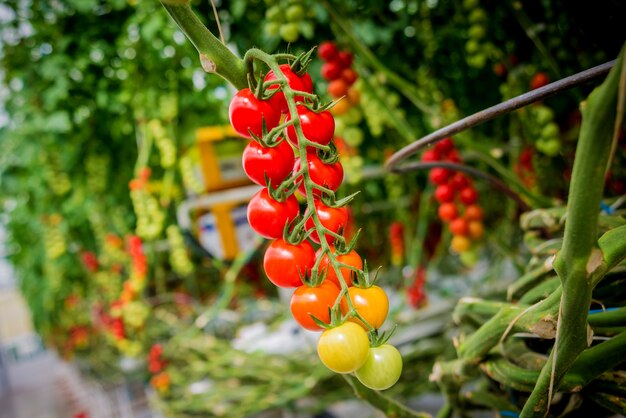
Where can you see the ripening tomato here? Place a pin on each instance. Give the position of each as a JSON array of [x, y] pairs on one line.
[[323, 174], [316, 127], [460, 244], [268, 216], [444, 193], [473, 213], [371, 303], [316, 301], [447, 212], [247, 113], [338, 88], [331, 71], [382, 369], [285, 264], [274, 162], [327, 51], [468, 195], [351, 259], [476, 229], [343, 349], [439, 175], [540, 79], [296, 82], [341, 107], [349, 76], [333, 219], [459, 227]]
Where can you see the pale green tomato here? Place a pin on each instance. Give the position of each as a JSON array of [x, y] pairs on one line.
[[382, 368]]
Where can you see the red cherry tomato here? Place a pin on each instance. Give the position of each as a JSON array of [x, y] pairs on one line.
[[459, 227], [327, 51], [334, 219], [430, 155], [285, 263], [345, 59], [316, 301], [246, 112], [468, 195], [459, 181], [540, 79], [331, 71], [316, 127], [267, 216], [444, 146], [274, 162], [349, 76], [439, 175], [351, 259], [325, 175], [296, 82], [444, 193], [447, 211]]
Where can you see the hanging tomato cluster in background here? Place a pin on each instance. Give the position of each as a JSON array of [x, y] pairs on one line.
[[455, 191]]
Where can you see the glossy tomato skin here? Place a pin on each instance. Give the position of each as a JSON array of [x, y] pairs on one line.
[[323, 174], [444, 193], [316, 127], [275, 162], [284, 263], [343, 349], [248, 112], [334, 219], [327, 51], [447, 212], [267, 216], [468, 195], [371, 303], [351, 259], [382, 369], [316, 301], [296, 82]]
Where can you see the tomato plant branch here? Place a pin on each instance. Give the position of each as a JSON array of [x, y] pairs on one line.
[[390, 407], [579, 257], [214, 55]]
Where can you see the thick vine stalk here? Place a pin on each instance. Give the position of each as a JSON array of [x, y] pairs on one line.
[[580, 259]]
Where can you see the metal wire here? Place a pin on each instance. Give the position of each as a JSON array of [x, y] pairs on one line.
[[494, 111]]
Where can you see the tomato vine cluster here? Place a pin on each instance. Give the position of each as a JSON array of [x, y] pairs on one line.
[[292, 150], [455, 190]]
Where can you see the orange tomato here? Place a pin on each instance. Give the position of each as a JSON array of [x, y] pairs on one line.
[[371, 303], [352, 259]]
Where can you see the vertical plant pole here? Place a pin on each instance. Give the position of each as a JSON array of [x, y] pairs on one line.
[[580, 263]]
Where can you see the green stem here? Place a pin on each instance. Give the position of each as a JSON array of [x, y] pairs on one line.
[[215, 56], [390, 407], [578, 258]]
